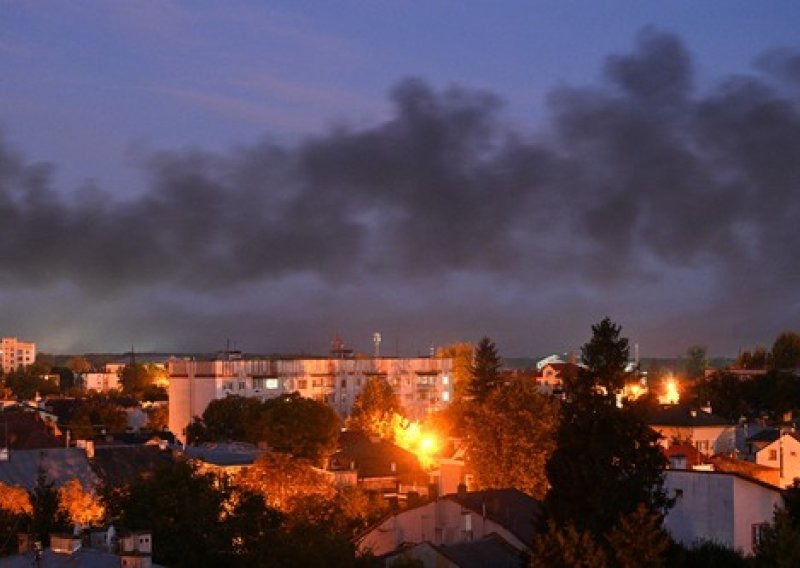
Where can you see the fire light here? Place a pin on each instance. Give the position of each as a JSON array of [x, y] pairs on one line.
[[671, 394]]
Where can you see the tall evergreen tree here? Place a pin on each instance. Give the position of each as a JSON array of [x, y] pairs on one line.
[[485, 370], [607, 459]]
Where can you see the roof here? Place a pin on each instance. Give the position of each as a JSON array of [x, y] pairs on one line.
[[688, 451], [27, 431], [491, 550], [60, 464], [375, 459], [224, 454], [686, 416], [116, 466], [83, 557], [510, 508], [765, 435]]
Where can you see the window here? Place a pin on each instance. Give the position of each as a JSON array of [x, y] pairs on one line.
[[344, 383], [701, 445], [773, 455], [302, 383], [241, 385], [272, 384], [259, 383], [446, 396], [678, 493], [445, 380], [757, 533]]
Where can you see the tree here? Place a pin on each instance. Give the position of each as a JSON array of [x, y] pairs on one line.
[[79, 365], [79, 505], [606, 356], [281, 479], [15, 511], [779, 546], [462, 355], [157, 418], [696, 362], [46, 515], [373, 408], [510, 438], [485, 370], [607, 460], [786, 351], [299, 426], [183, 508], [566, 547], [98, 412], [638, 540], [135, 378], [226, 419]]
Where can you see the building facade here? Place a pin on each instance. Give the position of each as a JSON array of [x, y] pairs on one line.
[[15, 353], [423, 384]]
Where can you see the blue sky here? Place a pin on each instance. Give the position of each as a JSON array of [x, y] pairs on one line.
[[104, 90]]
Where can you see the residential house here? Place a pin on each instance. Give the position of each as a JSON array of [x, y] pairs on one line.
[[681, 423], [457, 519], [382, 467], [723, 507], [782, 454], [228, 458]]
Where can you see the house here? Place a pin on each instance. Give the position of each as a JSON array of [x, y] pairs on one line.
[[782, 454], [382, 467], [229, 457], [723, 507], [759, 440], [22, 430], [552, 375], [59, 464], [681, 423], [457, 519]]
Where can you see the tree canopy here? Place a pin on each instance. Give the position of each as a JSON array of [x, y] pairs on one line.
[[373, 407], [510, 438], [786, 351]]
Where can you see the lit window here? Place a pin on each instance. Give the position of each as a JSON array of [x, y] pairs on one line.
[[272, 384], [445, 380], [445, 396]]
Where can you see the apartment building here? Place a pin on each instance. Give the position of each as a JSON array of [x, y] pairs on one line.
[[15, 353], [423, 384]]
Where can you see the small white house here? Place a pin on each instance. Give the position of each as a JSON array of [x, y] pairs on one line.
[[782, 454], [725, 508]]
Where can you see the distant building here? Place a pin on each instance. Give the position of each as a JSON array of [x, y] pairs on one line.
[[15, 353], [105, 380], [423, 384], [782, 454], [708, 433]]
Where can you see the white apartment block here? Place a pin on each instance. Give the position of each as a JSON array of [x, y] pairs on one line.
[[104, 381], [423, 384], [14, 353]]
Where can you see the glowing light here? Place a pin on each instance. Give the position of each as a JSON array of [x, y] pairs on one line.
[[671, 393], [411, 436]]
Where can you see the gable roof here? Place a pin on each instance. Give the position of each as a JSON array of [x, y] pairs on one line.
[[375, 459], [116, 466], [686, 416], [509, 508], [492, 550], [225, 454], [765, 435], [27, 431], [60, 464]]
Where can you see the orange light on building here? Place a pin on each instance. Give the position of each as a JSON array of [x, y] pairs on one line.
[[410, 435]]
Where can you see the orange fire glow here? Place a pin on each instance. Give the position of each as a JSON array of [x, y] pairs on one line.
[[412, 436], [671, 393]]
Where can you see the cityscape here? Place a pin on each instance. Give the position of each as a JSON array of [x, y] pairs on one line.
[[399, 285]]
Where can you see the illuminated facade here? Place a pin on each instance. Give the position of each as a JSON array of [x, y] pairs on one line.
[[15, 353], [423, 384]]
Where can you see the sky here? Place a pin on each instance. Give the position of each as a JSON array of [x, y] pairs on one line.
[[174, 175]]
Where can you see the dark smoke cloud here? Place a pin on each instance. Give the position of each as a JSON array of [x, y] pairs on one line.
[[633, 178]]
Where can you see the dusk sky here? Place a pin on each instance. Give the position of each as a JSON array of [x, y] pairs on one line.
[[175, 174]]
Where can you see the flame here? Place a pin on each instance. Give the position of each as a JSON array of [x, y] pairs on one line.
[[412, 436], [671, 394]]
